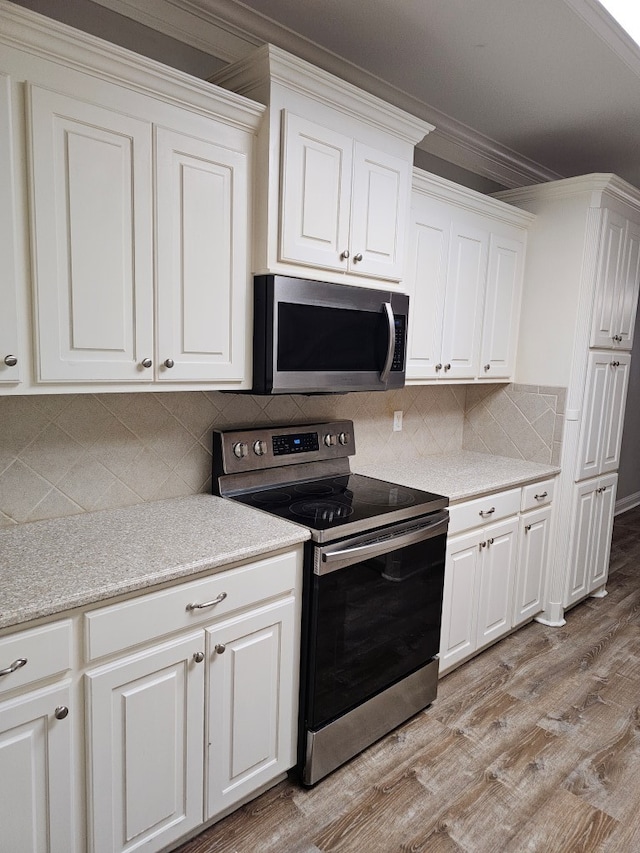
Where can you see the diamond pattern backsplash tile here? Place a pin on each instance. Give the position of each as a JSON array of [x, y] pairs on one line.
[[73, 453]]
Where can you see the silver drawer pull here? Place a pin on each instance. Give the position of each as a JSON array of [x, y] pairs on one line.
[[485, 512], [17, 664], [211, 603], [541, 496]]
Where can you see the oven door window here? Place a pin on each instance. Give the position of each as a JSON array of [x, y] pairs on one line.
[[373, 623]]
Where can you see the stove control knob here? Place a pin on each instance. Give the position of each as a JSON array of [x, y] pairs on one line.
[[259, 448], [344, 438], [240, 449], [330, 439]]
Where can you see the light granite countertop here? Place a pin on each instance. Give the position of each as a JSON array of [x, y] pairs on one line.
[[460, 475], [47, 567]]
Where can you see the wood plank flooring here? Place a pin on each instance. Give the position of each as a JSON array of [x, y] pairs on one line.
[[532, 747]]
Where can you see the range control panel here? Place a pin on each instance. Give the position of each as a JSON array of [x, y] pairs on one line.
[[239, 451]]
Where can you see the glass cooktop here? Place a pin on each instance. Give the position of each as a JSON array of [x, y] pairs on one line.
[[344, 505]]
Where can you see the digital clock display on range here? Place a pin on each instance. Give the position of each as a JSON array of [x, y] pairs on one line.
[[301, 442]]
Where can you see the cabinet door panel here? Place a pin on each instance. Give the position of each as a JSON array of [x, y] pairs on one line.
[[459, 606], [630, 284], [251, 702], [9, 344], [379, 206], [202, 222], [426, 273], [495, 607], [91, 188], [36, 793], [464, 301], [602, 531], [612, 414], [594, 406], [581, 548], [532, 564], [605, 310], [502, 308], [315, 194], [146, 722]]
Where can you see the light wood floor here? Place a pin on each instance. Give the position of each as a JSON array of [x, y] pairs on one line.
[[532, 746]]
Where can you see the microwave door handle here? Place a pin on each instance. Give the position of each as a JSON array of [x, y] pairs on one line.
[[386, 370]]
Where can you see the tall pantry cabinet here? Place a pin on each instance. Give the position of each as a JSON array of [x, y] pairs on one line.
[[578, 315]]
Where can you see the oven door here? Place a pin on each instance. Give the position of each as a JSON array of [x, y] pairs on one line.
[[374, 613]]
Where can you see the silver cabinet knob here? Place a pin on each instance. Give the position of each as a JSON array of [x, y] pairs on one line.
[[527, 528], [220, 648], [487, 367], [615, 364], [357, 258], [439, 366], [198, 657], [169, 362], [617, 338], [10, 360], [447, 367], [146, 362], [61, 712], [344, 255]]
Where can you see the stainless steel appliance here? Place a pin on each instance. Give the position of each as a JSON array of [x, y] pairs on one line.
[[313, 337], [373, 581]]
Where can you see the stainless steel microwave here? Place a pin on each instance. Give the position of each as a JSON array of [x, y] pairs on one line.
[[311, 337]]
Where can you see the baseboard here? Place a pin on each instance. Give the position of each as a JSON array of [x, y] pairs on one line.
[[625, 504]]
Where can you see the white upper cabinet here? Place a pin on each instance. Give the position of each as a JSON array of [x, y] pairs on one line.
[[135, 199], [91, 185], [335, 172], [10, 350], [464, 269], [617, 282], [202, 251]]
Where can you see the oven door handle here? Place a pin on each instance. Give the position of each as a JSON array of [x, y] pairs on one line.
[[331, 560], [391, 345]]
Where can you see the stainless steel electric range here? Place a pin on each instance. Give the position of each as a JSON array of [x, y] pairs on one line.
[[373, 581]]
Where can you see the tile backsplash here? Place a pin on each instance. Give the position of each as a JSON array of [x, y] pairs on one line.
[[72, 453]]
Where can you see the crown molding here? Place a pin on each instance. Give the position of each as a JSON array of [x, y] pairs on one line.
[[232, 32], [596, 184], [609, 30]]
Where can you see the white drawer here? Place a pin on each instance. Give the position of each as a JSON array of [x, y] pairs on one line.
[[129, 623], [482, 511], [46, 650], [537, 494]]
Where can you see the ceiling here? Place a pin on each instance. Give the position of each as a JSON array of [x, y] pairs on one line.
[[520, 91]]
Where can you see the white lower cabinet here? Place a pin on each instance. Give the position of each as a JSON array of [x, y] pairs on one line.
[[495, 573], [182, 729], [591, 529], [146, 716], [251, 730], [36, 777]]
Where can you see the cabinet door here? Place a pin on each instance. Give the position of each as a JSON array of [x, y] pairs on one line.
[[581, 548], [253, 689], [602, 530], [467, 269], [629, 286], [315, 194], [497, 573], [379, 208], [36, 783], [608, 283], [459, 604], [502, 308], [426, 279], [202, 252], [10, 354], [531, 569], [145, 747], [92, 240], [594, 413], [613, 412]]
